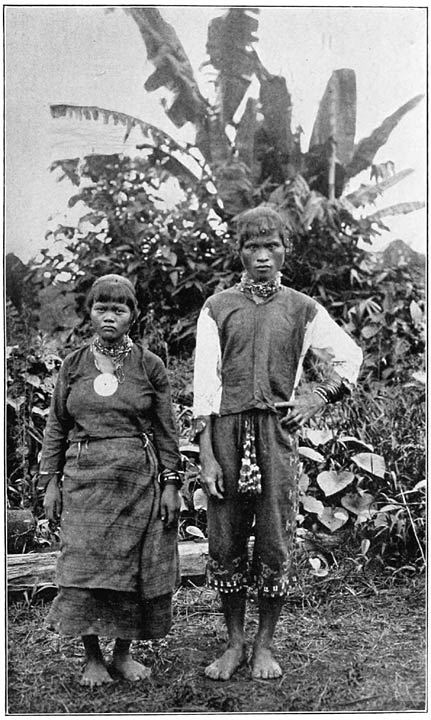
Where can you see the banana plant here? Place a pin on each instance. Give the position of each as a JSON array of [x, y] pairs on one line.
[[247, 146]]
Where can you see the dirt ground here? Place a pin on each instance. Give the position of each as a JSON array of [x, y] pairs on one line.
[[345, 644]]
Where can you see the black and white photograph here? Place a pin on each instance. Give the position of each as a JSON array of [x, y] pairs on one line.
[[215, 256]]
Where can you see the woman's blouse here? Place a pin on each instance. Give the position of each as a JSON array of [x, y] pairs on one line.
[[141, 404]]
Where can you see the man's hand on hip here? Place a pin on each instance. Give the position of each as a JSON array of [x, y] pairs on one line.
[[299, 411]]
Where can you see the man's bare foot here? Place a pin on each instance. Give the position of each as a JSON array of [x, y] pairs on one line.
[[95, 673], [224, 667], [130, 669], [263, 664]]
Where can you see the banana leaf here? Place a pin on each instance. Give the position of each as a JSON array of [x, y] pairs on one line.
[[276, 107], [244, 141], [368, 193], [336, 116], [212, 140], [230, 49], [173, 68], [158, 138], [399, 209], [368, 147]]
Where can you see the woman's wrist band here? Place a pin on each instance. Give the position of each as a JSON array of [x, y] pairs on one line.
[[170, 477], [44, 477]]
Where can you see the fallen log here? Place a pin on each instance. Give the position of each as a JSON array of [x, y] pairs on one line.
[[34, 571]]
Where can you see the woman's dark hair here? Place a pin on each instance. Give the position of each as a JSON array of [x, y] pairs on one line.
[[259, 221], [113, 288]]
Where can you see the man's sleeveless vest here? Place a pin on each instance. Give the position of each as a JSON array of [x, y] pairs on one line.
[[261, 346]]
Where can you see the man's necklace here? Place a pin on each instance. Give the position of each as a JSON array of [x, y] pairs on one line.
[[106, 384], [262, 289]]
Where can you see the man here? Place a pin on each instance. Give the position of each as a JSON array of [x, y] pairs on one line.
[[251, 342]]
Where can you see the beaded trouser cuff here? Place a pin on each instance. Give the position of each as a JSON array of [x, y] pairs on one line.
[[269, 582]]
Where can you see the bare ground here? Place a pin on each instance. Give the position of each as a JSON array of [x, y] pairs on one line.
[[345, 644]]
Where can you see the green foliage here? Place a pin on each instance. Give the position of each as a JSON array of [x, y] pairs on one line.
[[366, 482], [32, 363], [260, 145], [175, 257]]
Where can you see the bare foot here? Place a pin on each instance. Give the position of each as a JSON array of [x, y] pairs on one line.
[[130, 669], [224, 667], [264, 665], [95, 673]]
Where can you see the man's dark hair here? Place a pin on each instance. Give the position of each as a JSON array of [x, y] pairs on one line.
[[259, 221]]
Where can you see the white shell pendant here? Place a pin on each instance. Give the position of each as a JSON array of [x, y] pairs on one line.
[[105, 384]]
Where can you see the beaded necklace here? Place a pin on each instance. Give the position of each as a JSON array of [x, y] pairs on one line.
[[117, 353], [262, 289]]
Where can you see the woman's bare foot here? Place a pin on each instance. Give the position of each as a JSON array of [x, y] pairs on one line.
[[224, 667], [264, 665], [95, 673], [130, 669]]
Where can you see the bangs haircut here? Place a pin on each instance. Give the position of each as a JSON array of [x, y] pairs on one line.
[[259, 222], [107, 291]]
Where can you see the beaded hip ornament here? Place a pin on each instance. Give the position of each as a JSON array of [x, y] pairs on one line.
[[249, 476]]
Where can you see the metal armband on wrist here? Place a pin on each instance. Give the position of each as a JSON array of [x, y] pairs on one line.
[[170, 477], [331, 391]]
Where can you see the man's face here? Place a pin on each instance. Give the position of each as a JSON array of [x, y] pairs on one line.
[[263, 256]]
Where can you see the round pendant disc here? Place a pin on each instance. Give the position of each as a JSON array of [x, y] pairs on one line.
[[105, 384]]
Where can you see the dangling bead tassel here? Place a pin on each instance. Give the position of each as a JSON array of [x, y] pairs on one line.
[[250, 479]]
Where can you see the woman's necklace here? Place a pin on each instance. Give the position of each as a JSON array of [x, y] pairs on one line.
[[106, 383]]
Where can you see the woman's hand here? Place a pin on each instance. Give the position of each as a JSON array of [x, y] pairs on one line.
[[170, 504], [299, 411], [52, 502], [212, 477]]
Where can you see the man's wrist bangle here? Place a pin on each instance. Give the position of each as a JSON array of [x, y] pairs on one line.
[[331, 391], [321, 392], [50, 472]]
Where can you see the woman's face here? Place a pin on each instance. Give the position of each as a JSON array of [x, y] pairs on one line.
[[111, 320]]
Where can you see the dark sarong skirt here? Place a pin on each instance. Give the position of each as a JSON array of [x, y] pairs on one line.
[[118, 564]]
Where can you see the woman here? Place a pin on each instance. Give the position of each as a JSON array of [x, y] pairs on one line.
[[110, 464]]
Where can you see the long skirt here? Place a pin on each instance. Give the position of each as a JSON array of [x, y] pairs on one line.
[[118, 564]]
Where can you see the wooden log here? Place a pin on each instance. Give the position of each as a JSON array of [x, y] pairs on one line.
[[34, 571]]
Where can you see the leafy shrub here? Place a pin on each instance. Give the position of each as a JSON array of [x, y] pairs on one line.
[[364, 480], [33, 365], [177, 257]]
